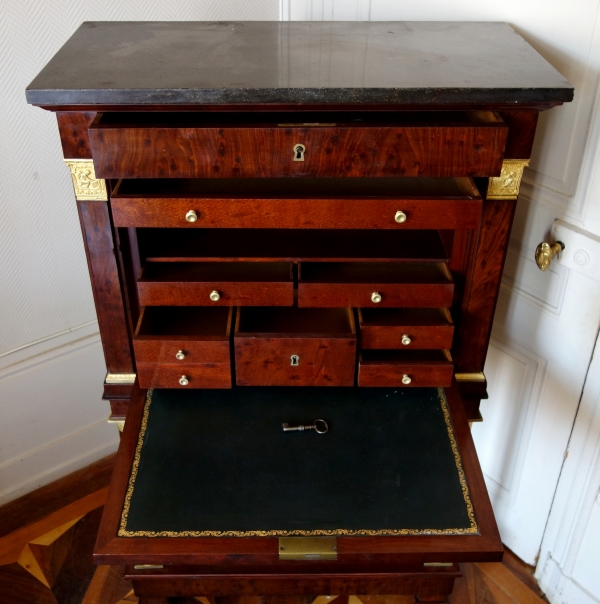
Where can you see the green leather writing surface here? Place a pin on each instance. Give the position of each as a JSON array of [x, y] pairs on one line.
[[217, 463]]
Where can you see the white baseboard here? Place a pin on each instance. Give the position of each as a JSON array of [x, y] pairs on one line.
[[59, 458], [560, 589], [52, 416]]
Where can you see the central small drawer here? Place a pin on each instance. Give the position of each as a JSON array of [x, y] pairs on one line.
[[295, 347], [374, 284], [263, 145], [216, 284]]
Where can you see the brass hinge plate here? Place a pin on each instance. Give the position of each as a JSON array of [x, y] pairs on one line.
[[307, 548], [470, 377], [438, 563], [120, 378]]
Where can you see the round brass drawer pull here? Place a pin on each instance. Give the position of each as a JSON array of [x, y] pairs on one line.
[[215, 296], [406, 379], [191, 216], [406, 339], [400, 216], [180, 355], [183, 380], [376, 297]]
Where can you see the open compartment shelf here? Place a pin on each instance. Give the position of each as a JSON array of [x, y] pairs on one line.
[[262, 245]]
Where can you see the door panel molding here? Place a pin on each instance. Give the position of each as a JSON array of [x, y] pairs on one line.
[[515, 377]]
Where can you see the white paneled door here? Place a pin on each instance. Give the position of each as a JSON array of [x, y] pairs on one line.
[[538, 360]]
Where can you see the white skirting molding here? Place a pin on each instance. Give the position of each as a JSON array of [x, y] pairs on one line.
[[55, 460], [52, 416], [560, 589]]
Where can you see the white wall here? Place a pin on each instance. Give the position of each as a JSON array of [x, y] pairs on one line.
[[52, 418]]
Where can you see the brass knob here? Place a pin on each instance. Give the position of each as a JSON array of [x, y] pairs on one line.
[[376, 297], [544, 253], [406, 339], [406, 379], [180, 355], [400, 216], [191, 216], [183, 380], [215, 296]]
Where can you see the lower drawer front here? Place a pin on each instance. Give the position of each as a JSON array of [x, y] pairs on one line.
[[208, 375], [404, 369], [280, 361]]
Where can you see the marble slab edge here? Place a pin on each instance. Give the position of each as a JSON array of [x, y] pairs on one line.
[[385, 96]]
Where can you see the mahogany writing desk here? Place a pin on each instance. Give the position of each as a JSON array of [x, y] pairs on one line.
[[287, 222]]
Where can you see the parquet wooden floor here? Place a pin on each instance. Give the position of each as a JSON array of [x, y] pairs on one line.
[[47, 538]]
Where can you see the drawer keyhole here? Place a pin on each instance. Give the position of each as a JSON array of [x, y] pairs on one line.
[[299, 152], [295, 360]]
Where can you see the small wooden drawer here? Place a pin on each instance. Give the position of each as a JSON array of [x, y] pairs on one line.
[[374, 284], [261, 145], [207, 375], [405, 328], [295, 347], [405, 368], [362, 203], [183, 335], [216, 284], [175, 345]]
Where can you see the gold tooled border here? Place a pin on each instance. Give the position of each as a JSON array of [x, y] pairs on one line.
[[471, 530]]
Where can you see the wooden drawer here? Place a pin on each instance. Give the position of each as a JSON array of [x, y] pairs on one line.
[[405, 328], [364, 203], [209, 145], [405, 368], [323, 342], [183, 335], [398, 284], [207, 375], [193, 284]]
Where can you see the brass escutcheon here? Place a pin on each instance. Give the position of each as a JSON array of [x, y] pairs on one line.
[[299, 150]]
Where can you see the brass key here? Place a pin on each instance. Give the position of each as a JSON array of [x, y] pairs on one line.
[[320, 427]]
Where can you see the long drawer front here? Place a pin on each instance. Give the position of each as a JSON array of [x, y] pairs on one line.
[[377, 144], [399, 204]]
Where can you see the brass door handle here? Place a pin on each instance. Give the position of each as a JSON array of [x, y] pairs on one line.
[[544, 253]]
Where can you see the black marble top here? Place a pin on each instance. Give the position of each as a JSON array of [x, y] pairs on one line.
[[290, 62]]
